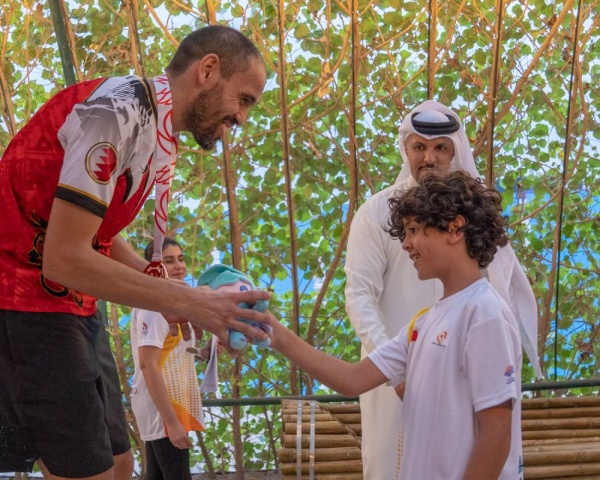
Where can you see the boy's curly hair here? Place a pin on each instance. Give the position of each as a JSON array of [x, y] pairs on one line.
[[440, 199]]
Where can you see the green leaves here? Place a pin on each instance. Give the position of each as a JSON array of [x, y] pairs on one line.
[[530, 110]]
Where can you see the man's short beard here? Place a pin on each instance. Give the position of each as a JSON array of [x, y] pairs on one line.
[[205, 142], [195, 116]]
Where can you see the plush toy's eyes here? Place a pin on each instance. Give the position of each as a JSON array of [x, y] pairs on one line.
[[243, 288]]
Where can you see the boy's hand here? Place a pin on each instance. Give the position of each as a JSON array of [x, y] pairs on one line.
[[400, 389]]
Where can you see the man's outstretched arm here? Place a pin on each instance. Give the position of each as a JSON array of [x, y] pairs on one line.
[[70, 260]]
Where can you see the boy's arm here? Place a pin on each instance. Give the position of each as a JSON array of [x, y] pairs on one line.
[[350, 379], [492, 444], [149, 364]]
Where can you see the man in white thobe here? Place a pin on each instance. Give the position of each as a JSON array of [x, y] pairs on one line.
[[383, 292]]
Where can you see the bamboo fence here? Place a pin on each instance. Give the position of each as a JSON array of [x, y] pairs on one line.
[[317, 444], [561, 439]]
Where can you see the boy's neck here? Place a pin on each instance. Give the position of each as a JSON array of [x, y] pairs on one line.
[[461, 277]]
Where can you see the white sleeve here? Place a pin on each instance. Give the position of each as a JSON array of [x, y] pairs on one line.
[[509, 280], [492, 362], [99, 138], [365, 266], [391, 358], [524, 306], [152, 329]]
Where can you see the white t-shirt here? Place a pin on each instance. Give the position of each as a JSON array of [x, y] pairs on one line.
[[178, 371], [465, 357]]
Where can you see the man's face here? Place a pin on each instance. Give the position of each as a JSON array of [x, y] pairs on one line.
[[224, 105], [426, 156]]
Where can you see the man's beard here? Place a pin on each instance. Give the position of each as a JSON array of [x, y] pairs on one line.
[[203, 119]]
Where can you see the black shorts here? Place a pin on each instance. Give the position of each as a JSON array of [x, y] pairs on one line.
[[61, 377]]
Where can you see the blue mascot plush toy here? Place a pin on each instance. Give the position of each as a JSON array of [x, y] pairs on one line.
[[227, 279]]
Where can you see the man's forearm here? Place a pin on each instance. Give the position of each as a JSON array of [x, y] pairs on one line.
[[70, 260]]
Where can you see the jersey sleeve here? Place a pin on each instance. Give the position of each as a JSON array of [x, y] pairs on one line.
[[152, 329], [493, 363], [99, 138]]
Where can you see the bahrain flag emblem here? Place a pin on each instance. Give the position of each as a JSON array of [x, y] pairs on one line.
[[101, 162]]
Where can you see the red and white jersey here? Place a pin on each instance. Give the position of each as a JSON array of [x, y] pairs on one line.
[[92, 145]]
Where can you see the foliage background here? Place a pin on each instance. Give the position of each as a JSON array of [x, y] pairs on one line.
[[278, 200]]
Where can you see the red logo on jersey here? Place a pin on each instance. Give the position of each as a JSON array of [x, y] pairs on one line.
[[101, 162]]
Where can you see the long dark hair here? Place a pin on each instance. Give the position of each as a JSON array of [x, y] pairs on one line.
[[150, 247]]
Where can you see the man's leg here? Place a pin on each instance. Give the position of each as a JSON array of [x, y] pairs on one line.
[[112, 396], [61, 396], [123, 469], [16, 452]]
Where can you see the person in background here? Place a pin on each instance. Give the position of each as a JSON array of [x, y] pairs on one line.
[[71, 180], [461, 359], [383, 291], [165, 396]]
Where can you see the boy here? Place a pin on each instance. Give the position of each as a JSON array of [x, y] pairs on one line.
[[461, 359]]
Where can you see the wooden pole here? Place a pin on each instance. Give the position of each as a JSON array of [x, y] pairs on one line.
[[493, 93], [57, 12], [287, 168]]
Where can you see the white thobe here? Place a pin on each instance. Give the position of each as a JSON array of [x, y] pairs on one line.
[[383, 293]]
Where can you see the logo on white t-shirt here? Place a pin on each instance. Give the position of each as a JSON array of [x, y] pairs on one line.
[[509, 373], [440, 340], [144, 328]]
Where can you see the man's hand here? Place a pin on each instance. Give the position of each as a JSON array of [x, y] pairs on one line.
[[217, 312], [176, 323], [198, 332]]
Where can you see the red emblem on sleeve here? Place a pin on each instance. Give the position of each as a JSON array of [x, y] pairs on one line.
[[101, 162]]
